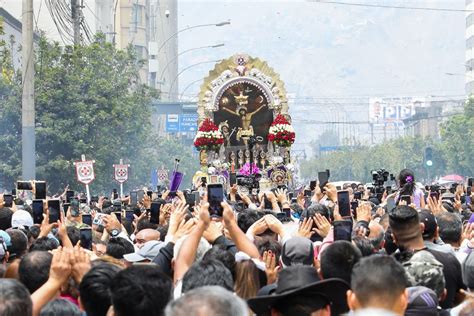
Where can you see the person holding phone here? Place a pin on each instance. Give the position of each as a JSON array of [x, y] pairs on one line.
[[407, 185]]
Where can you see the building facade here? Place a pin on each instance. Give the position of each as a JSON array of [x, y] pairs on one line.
[[469, 47]]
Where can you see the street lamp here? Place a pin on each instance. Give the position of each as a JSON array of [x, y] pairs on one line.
[[190, 28], [191, 66], [183, 52], [188, 86]]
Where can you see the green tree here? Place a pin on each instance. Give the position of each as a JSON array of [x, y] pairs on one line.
[[10, 128], [88, 101], [458, 141], [351, 163]]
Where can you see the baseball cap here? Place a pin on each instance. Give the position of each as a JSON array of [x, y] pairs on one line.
[[297, 251], [429, 220], [6, 238], [424, 270], [3, 248], [421, 301], [22, 219], [149, 251]]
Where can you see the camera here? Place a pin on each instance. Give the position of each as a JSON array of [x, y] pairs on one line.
[[167, 13], [250, 182], [379, 177]]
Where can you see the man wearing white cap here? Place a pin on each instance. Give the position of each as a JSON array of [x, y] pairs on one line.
[[21, 219], [146, 253]]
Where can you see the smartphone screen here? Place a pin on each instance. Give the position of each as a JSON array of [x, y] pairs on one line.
[[233, 178], [8, 200], [133, 198], [343, 230], [323, 178], [37, 207], [86, 238], [24, 185], [203, 181], [66, 206], [40, 190], [307, 193], [87, 219], [215, 195], [268, 204], [129, 215], [54, 207], [344, 203], [140, 195], [155, 212], [470, 182], [119, 216], [312, 185], [14, 192], [114, 194], [357, 195], [69, 195], [406, 198], [74, 209], [197, 197]]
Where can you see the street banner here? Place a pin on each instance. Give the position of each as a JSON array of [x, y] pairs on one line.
[[85, 171], [121, 173]]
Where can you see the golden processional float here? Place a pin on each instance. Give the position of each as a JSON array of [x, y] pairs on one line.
[[245, 133]]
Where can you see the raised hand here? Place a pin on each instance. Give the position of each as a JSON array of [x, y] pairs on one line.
[[322, 225], [271, 268]]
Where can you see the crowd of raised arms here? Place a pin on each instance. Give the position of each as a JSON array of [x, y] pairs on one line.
[[322, 250]]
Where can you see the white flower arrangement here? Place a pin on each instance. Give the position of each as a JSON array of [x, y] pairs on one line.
[[281, 128]]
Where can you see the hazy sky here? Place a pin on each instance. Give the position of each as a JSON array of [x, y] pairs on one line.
[[328, 50]]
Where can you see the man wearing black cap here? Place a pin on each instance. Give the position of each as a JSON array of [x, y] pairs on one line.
[[431, 233], [407, 234], [301, 292]]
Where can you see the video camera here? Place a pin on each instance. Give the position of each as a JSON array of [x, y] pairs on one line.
[[250, 182], [379, 177]]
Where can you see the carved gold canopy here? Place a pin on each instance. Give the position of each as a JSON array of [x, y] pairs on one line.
[[241, 69]]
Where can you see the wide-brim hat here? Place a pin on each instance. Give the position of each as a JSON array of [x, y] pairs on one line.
[[298, 280]]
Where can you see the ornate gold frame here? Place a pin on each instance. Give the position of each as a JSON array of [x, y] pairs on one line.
[[236, 69]]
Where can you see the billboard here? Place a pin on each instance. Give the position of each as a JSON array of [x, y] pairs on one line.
[[392, 111]]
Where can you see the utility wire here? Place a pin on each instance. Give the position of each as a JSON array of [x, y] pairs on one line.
[[390, 6]]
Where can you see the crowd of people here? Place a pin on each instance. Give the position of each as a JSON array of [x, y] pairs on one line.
[[403, 251]]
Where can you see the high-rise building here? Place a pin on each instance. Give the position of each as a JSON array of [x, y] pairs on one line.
[[469, 47], [149, 25]]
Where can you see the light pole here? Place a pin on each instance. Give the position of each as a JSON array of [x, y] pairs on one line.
[[183, 52], [190, 28], [188, 86], [191, 66]]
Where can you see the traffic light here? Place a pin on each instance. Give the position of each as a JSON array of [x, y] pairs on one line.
[[429, 156]]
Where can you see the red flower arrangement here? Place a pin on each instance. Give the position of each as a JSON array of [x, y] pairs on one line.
[[208, 136], [281, 132]]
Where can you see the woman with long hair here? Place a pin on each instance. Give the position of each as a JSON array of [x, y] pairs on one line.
[[407, 185]]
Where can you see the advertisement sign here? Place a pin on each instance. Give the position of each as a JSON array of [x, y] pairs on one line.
[[392, 111]]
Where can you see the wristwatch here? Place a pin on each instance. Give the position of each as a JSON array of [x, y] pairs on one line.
[[114, 232]]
